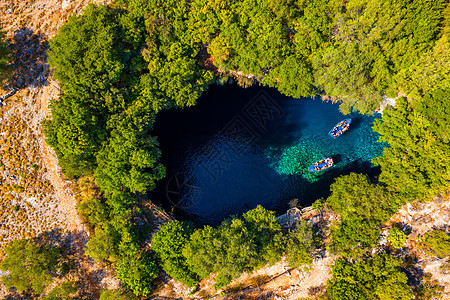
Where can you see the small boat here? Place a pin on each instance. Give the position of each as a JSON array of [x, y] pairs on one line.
[[340, 128], [321, 165]]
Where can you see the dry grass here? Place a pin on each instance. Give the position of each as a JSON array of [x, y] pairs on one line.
[[28, 206], [43, 17]]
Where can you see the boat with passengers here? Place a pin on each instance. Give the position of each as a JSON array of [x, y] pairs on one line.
[[340, 128], [321, 165]]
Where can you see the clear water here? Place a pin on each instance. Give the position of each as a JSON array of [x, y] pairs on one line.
[[239, 148]]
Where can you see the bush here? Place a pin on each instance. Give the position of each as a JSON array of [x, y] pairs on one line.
[[300, 245], [379, 277], [168, 244], [137, 272], [397, 237], [30, 266], [117, 294], [438, 241], [64, 291]]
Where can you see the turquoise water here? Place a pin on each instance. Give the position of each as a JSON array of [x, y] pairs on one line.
[[239, 148]]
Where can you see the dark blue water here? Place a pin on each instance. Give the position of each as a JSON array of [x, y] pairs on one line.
[[238, 148]]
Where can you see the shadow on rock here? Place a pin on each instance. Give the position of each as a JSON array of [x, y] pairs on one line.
[[29, 53]]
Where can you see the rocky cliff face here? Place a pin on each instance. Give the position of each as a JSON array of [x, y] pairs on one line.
[[417, 219]]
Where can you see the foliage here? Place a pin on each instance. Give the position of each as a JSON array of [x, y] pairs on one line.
[[137, 272], [234, 247], [363, 207], [119, 66], [319, 203], [30, 266], [378, 277], [130, 158], [95, 81], [374, 41], [168, 244], [93, 210], [229, 252], [117, 294], [300, 244], [397, 237], [266, 233], [101, 246], [64, 291], [5, 69], [353, 238], [431, 70], [438, 241], [416, 164]]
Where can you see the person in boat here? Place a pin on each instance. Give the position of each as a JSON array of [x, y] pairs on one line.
[[345, 126], [340, 129]]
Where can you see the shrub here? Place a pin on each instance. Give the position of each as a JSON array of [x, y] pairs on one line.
[[397, 237], [438, 241], [137, 272], [300, 244], [31, 266], [168, 244]]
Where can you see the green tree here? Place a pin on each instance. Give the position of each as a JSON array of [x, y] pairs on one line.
[[64, 291], [397, 237], [354, 196], [293, 77], [300, 245], [101, 246], [416, 164], [342, 72], [96, 67], [438, 241], [137, 272], [266, 233], [374, 42], [130, 157], [430, 72], [30, 266], [235, 246], [353, 237], [363, 207], [168, 244], [94, 211], [378, 277]]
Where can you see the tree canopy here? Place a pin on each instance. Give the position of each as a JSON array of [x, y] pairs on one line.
[[168, 244], [30, 266], [236, 246], [119, 66], [438, 241], [300, 245], [363, 207], [137, 272], [416, 164], [378, 277]]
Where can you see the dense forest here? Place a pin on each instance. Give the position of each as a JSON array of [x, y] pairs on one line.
[[119, 65]]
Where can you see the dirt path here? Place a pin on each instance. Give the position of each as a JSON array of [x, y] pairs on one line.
[[67, 201], [43, 19]]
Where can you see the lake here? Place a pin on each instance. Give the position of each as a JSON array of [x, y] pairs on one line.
[[238, 148]]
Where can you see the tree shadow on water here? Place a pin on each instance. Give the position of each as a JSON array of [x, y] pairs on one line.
[[29, 54]]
